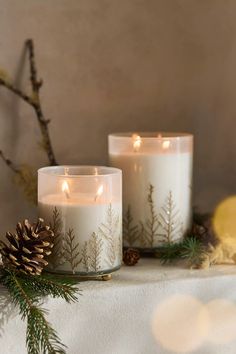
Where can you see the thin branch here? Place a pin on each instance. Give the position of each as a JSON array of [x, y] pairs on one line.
[[16, 91], [33, 101], [36, 85], [9, 163]]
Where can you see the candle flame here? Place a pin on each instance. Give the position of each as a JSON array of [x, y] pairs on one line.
[[99, 192], [137, 141], [166, 144], [65, 189]]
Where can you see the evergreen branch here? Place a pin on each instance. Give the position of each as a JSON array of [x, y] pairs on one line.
[[190, 249], [169, 252], [48, 285], [25, 292], [40, 336], [18, 295]]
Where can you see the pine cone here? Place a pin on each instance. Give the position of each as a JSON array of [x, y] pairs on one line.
[[28, 247], [131, 256]]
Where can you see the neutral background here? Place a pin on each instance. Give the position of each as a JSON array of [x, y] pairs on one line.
[[114, 65]]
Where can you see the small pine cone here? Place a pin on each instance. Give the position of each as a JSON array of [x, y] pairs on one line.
[[27, 247], [131, 256]]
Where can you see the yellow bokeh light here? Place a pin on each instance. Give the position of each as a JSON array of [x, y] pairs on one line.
[[224, 220]]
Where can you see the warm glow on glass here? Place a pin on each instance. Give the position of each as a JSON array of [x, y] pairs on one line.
[[65, 189], [137, 141], [99, 192], [166, 144]]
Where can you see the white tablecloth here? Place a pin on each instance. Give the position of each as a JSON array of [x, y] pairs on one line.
[[125, 315]]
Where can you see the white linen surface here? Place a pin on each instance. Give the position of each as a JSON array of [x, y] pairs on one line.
[[115, 317]]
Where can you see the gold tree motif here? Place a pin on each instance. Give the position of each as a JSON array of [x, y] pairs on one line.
[[57, 257], [108, 231], [91, 253], [71, 250], [170, 221], [130, 231], [85, 257], [149, 231], [95, 245]]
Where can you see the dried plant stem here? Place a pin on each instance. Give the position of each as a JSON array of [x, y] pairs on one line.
[[9, 163], [35, 103]]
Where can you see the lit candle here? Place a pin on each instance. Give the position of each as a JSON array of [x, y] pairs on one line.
[[157, 180], [83, 206]]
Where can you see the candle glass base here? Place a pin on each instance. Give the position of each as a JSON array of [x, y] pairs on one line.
[[82, 276]]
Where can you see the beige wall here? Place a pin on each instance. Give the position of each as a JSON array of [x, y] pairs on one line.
[[115, 65]]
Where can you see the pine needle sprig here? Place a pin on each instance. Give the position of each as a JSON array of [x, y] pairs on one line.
[[26, 292], [48, 285], [41, 337], [192, 250], [169, 252]]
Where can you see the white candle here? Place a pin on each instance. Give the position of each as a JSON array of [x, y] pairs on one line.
[[157, 182], [86, 214]]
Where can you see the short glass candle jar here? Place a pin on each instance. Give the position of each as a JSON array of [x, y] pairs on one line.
[[157, 184], [83, 205]]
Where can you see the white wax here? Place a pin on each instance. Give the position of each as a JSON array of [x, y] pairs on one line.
[[89, 220], [171, 176]]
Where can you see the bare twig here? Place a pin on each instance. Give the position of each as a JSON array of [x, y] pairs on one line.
[[33, 101], [9, 163], [16, 91]]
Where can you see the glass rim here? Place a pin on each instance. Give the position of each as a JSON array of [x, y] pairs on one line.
[[49, 169], [152, 135]]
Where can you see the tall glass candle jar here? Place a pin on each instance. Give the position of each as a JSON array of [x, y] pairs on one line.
[[157, 185], [83, 205]]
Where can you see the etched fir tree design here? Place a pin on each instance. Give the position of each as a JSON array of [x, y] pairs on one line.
[[91, 253], [130, 231], [108, 231], [150, 229], [95, 246], [71, 250], [85, 257], [56, 257], [170, 221]]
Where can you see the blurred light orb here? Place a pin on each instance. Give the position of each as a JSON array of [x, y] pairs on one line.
[[224, 219], [222, 316], [180, 323]]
